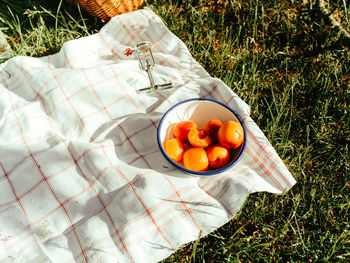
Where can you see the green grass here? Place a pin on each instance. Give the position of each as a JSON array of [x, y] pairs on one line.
[[289, 62]]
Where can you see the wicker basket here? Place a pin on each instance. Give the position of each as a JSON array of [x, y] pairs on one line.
[[105, 9]]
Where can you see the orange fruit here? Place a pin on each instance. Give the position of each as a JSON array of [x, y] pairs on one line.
[[174, 148], [182, 129], [231, 134], [196, 159], [213, 127], [199, 138], [218, 156]]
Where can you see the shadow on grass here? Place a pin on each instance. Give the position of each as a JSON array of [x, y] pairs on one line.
[[39, 28]]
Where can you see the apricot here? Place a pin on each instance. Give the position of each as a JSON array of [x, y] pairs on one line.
[[218, 156], [199, 138], [231, 135], [182, 129], [196, 159], [174, 148], [213, 127]]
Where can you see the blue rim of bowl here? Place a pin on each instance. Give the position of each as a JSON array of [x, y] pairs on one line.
[[209, 172]]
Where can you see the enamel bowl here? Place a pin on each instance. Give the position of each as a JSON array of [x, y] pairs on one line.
[[200, 111]]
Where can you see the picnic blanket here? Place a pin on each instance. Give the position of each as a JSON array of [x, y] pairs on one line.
[[81, 176]]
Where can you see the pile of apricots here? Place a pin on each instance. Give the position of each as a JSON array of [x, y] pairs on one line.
[[203, 149]]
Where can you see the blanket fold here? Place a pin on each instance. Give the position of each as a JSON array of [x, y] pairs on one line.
[[81, 175]]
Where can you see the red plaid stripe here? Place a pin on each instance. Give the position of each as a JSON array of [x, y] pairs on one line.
[[132, 38], [134, 148], [160, 204], [18, 200], [41, 172], [61, 204], [158, 217], [79, 117], [108, 45], [91, 186], [268, 165], [264, 163], [72, 106], [154, 208]]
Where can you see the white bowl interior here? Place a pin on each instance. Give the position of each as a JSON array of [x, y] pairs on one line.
[[198, 111]]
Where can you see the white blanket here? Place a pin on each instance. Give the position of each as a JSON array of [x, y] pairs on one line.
[[81, 175]]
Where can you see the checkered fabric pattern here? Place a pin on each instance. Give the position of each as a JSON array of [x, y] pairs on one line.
[[81, 175]]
